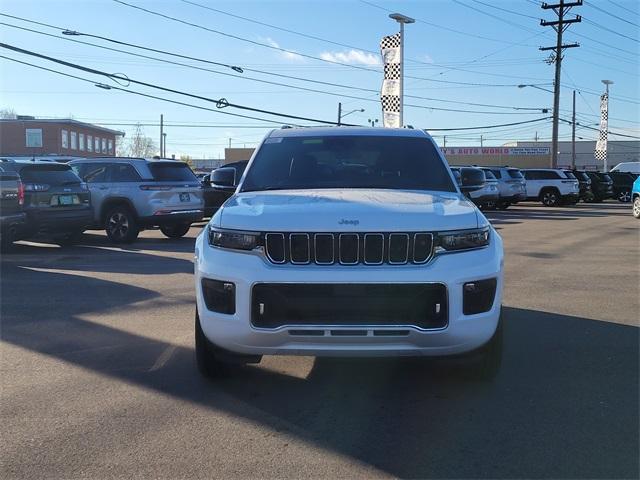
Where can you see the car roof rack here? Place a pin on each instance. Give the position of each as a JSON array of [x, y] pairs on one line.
[[285, 126]]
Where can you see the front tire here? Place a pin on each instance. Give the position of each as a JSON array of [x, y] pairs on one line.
[[636, 207], [550, 197], [503, 205], [175, 231], [121, 225]]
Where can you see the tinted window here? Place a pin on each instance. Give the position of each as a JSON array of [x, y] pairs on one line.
[[496, 173], [172, 172], [54, 174], [605, 177], [94, 172], [531, 175], [570, 174], [123, 172], [489, 174], [348, 162], [548, 175], [583, 177], [515, 173]]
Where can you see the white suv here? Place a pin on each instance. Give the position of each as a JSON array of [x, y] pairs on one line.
[[551, 186], [348, 242]]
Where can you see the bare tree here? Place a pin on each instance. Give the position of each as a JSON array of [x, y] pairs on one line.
[[139, 145], [187, 159], [8, 113]]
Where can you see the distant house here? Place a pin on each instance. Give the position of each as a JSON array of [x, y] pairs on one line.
[[28, 135]]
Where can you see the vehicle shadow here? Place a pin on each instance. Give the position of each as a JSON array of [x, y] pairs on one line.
[[574, 212], [93, 258], [564, 403]]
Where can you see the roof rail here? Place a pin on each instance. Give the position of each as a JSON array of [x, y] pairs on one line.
[[285, 126]]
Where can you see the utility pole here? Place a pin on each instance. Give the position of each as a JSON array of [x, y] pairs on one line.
[[573, 133], [536, 138], [339, 112], [161, 134], [560, 25], [444, 141], [481, 143]]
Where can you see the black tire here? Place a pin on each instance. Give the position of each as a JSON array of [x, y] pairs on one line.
[[175, 231], [550, 197], [624, 196], [503, 205], [121, 225], [213, 361], [636, 207]]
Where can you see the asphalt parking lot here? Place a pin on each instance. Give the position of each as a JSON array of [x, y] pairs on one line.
[[98, 378]]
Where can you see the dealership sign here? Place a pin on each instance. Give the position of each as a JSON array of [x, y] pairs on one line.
[[526, 151]]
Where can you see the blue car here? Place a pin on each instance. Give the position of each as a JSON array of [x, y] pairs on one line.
[[635, 198]]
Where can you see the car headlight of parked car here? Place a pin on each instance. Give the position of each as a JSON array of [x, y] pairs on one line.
[[462, 240], [234, 239]]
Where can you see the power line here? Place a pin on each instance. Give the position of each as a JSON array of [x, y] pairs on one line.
[[486, 126], [74, 32], [623, 8], [591, 5], [220, 103], [597, 129], [595, 24], [244, 77]]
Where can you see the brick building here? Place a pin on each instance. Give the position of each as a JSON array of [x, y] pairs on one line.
[[30, 136]]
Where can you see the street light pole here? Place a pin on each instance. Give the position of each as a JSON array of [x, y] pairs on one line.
[[606, 133], [401, 19], [342, 115], [573, 133], [339, 112]]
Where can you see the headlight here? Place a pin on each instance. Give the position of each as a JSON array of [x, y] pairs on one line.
[[234, 239], [463, 239]]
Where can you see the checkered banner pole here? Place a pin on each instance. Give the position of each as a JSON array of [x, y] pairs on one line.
[[601, 145], [390, 94]]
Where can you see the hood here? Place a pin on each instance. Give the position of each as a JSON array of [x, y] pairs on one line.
[[348, 210]]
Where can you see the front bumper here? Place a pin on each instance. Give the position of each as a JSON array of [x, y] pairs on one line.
[[235, 332]]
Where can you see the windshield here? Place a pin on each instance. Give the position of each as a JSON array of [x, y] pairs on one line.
[[582, 176], [172, 172], [515, 173], [54, 174], [348, 162], [605, 177], [570, 175]]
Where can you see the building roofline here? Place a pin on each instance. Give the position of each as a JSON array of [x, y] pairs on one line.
[[64, 120]]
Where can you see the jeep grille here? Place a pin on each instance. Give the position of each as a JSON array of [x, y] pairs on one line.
[[349, 248]]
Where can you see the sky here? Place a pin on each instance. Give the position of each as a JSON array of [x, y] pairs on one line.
[[464, 60]]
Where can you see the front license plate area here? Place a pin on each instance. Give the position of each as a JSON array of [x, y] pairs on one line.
[[67, 200]]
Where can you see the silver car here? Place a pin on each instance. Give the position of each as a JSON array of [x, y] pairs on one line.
[[131, 194]]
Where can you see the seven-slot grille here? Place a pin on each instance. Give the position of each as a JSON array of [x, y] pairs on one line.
[[349, 248]]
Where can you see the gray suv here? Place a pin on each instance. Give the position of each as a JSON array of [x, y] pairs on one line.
[[511, 185], [131, 194]]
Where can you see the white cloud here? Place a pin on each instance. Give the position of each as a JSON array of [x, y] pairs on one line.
[[290, 55], [352, 56], [427, 58]]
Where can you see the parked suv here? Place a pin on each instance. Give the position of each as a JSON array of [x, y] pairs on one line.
[[511, 185], [12, 217], [56, 202], [130, 194], [217, 188], [601, 186], [550, 186], [635, 198], [622, 185], [484, 197], [348, 241], [584, 184]]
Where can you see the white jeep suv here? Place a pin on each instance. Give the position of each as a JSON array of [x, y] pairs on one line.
[[348, 242]]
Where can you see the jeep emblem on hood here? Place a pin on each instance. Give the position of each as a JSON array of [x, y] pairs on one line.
[[344, 221]]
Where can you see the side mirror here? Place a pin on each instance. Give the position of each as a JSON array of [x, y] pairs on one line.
[[471, 179], [224, 177]]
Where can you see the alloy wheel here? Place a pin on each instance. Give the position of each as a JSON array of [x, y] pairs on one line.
[[636, 207], [118, 225], [549, 199], [625, 196]]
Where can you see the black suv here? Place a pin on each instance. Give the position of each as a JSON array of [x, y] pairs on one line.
[[57, 203], [601, 186], [622, 185], [584, 183], [220, 185]]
